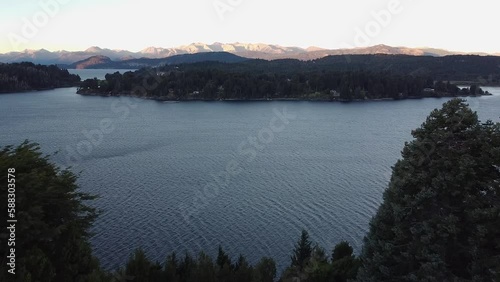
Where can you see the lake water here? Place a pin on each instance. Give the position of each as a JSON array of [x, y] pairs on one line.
[[161, 168]]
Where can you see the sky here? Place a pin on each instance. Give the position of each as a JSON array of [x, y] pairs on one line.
[[134, 25]]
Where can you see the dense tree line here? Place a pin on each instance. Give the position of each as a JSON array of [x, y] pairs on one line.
[[308, 263], [187, 268], [217, 84], [439, 220], [25, 76]]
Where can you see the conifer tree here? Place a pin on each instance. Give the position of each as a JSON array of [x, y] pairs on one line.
[[440, 216], [302, 251]]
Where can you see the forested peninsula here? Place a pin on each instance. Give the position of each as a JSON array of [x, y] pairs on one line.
[[322, 80], [20, 77]]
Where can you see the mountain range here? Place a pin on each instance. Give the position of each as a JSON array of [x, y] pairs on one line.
[[103, 62], [96, 55]]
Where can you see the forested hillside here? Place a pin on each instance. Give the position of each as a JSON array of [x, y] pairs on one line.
[[19, 77]]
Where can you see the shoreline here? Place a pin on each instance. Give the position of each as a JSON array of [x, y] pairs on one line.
[[164, 99], [37, 90]]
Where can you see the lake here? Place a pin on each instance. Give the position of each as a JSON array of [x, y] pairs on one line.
[[248, 175]]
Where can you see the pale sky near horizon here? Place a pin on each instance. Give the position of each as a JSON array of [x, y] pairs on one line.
[[134, 25]]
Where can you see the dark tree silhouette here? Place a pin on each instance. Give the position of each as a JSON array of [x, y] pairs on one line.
[[439, 220]]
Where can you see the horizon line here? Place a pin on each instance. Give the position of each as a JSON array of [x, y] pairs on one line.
[[246, 43]]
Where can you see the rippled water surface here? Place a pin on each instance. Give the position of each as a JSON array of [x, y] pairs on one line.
[[156, 163]]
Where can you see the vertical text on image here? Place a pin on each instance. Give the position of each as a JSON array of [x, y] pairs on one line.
[[11, 220]]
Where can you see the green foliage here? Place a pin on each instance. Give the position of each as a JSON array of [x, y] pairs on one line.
[[243, 270], [170, 268], [302, 251], [89, 84], [225, 268], [440, 219], [315, 266], [222, 258], [28, 76], [200, 268], [265, 270], [341, 250], [206, 271], [345, 264], [186, 268], [53, 225], [318, 268], [139, 266]]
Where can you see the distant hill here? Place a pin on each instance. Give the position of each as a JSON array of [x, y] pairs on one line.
[[247, 50], [90, 62], [453, 67], [102, 62]]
